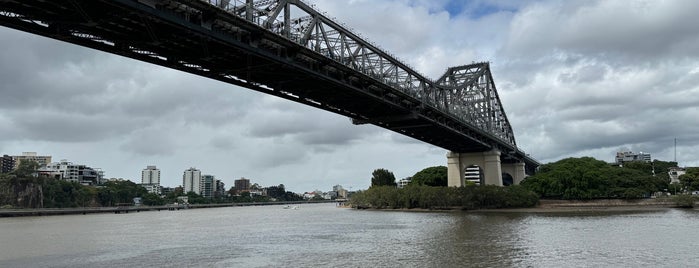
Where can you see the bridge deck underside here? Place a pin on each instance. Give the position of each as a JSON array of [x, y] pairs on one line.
[[230, 49]]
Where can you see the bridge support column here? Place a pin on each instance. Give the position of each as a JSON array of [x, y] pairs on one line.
[[489, 162], [516, 170], [455, 173]]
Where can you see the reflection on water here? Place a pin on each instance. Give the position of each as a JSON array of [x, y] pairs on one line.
[[323, 235]]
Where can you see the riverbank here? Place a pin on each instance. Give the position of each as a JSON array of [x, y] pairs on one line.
[[562, 206], [601, 205], [23, 212]]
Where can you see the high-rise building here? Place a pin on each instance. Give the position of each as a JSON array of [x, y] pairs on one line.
[[208, 186], [31, 156], [150, 179], [242, 185], [7, 164], [150, 175], [191, 181]]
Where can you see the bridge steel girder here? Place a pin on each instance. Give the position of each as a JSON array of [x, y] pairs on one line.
[[288, 49]]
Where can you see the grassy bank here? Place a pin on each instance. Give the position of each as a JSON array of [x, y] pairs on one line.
[[428, 197]]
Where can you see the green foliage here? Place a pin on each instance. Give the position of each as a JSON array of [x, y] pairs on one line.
[[431, 176], [588, 178], [119, 192], [429, 197], [690, 180], [151, 199], [22, 187], [382, 177], [280, 194]]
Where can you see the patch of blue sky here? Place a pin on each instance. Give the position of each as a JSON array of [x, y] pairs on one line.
[[475, 9]]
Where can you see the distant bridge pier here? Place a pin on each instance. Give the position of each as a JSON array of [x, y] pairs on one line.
[[489, 164]]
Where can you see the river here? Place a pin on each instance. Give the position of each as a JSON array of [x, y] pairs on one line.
[[322, 235]]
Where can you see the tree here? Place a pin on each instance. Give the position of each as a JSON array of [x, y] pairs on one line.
[[151, 199], [115, 192], [383, 177], [431, 176]]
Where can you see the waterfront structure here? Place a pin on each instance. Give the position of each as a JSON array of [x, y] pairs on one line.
[[675, 173], [7, 164], [191, 181], [72, 172], [242, 185], [42, 160], [628, 156], [150, 179]]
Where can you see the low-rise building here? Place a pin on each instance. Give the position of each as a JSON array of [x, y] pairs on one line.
[[152, 188], [623, 157], [69, 171], [404, 182]]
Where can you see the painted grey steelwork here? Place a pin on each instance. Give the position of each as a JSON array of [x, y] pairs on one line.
[[288, 49]]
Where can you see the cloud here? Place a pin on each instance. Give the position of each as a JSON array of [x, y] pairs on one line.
[[575, 78]]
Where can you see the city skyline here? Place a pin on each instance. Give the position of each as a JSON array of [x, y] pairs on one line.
[[576, 78]]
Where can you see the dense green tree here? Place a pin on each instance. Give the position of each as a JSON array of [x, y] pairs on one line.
[[119, 192], [382, 177], [279, 193], [431, 176], [588, 178], [151, 199]]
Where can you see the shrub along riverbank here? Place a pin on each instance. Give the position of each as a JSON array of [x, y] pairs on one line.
[[429, 197]]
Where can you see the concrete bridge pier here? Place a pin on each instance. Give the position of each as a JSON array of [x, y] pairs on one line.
[[490, 165], [516, 170]]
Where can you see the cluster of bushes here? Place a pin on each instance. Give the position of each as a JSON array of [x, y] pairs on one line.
[[685, 200], [430, 197]]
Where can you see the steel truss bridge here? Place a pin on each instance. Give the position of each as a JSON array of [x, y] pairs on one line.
[[288, 49]]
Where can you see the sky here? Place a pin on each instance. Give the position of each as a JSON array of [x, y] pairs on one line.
[[576, 78]]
